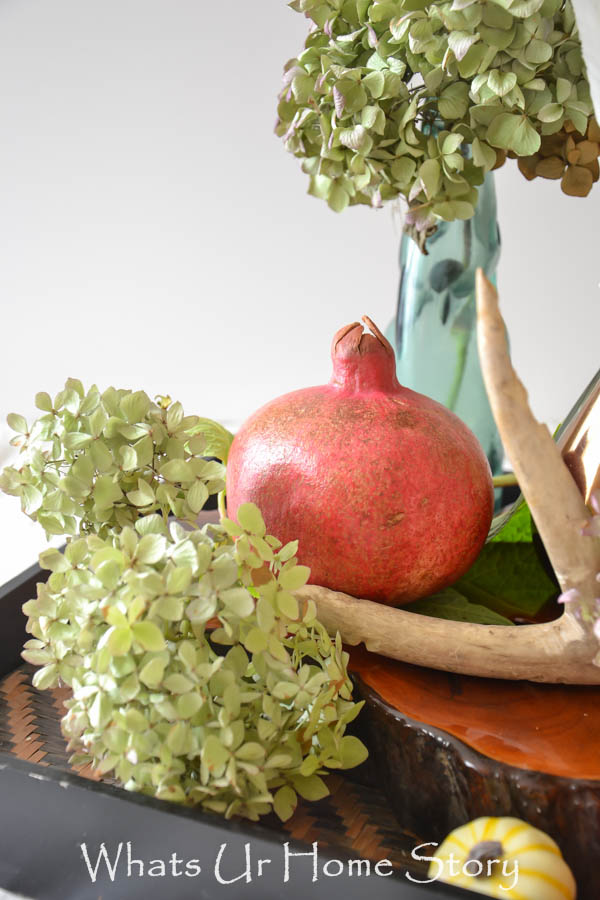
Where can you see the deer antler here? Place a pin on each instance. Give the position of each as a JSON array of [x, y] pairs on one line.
[[559, 651]]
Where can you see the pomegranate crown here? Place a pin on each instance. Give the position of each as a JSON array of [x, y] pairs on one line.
[[363, 361]]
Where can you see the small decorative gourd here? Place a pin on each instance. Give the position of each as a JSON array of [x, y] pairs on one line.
[[504, 857]]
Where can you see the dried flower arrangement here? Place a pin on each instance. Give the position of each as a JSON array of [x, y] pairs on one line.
[[419, 99]]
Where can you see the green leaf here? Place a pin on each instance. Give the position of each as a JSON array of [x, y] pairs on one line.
[[287, 604], [453, 209], [135, 721], [285, 802], [288, 551], [460, 42], [502, 130], [152, 673], [177, 470], [214, 755], [218, 439], [278, 761], [151, 548], [294, 578], [374, 82], [536, 84], [46, 678], [563, 89], [526, 8], [74, 384], [132, 432], [185, 554], [526, 141], [352, 752], [285, 690], [150, 524], [31, 499], [224, 571], [453, 102], [101, 456], [338, 199], [355, 98], [169, 608], [514, 132], [250, 518], [255, 641], [451, 143], [517, 528], [17, 423], [504, 516], [311, 788], [43, 401], [357, 139], [197, 496], [403, 170], [551, 112], [496, 39], [250, 752], [501, 83], [451, 604], [178, 684], [148, 635], [175, 448], [187, 705], [54, 560], [144, 450], [100, 711], [128, 458], [430, 175], [178, 737], [473, 60], [134, 406], [483, 155], [119, 640], [238, 600], [508, 576], [174, 417], [76, 552], [109, 574], [265, 614], [144, 496], [104, 555], [75, 440], [179, 579], [115, 616], [538, 51], [302, 87], [106, 492]]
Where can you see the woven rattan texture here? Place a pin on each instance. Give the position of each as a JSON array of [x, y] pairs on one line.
[[354, 819]]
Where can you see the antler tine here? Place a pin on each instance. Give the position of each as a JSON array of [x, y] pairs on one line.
[[553, 497]]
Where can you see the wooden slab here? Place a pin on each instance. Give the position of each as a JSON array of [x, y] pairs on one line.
[[451, 748], [541, 727]]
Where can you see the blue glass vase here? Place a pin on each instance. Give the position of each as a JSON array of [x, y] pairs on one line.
[[434, 331]]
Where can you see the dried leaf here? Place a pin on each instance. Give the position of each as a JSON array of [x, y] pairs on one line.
[[550, 167], [577, 181]]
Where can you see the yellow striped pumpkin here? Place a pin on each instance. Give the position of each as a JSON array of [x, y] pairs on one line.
[[507, 853]]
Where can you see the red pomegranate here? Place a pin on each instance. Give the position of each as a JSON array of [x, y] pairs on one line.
[[389, 494]]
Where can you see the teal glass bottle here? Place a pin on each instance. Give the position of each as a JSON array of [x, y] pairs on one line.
[[434, 332]]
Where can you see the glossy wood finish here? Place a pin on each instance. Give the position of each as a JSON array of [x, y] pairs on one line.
[[541, 727], [451, 748]]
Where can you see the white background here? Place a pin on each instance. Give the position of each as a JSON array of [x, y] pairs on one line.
[[154, 233]]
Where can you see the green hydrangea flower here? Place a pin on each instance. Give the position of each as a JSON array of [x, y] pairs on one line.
[[418, 99]]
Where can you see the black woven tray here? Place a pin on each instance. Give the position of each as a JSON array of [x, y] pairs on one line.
[[48, 810]]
